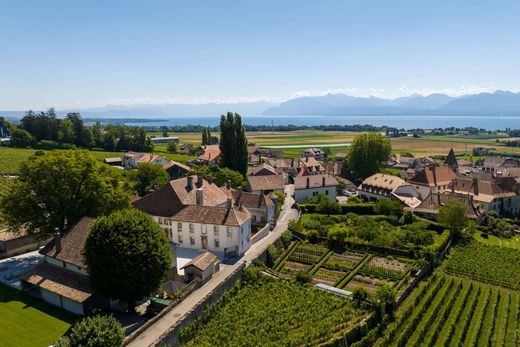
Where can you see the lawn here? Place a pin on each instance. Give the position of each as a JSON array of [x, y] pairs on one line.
[[27, 321], [513, 242]]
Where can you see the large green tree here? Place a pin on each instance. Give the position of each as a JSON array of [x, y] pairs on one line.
[[453, 216], [127, 255], [96, 331], [59, 188], [148, 177], [367, 154], [221, 175], [233, 143], [21, 138]]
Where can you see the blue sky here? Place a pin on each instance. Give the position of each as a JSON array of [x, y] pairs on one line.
[[74, 53]]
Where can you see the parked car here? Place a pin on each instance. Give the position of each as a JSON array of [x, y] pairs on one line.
[[349, 192]]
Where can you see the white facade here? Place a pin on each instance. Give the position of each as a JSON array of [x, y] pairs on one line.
[[226, 240], [300, 195]]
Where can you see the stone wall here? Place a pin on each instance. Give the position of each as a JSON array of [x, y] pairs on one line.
[[260, 234]]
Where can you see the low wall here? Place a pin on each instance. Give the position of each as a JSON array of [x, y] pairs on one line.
[[260, 234], [171, 336]]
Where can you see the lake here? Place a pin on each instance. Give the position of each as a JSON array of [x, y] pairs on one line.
[[406, 122]]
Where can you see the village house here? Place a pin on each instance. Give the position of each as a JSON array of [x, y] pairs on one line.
[[260, 205], [195, 213], [429, 207], [185, 149], [432, 179], [313, 185], [407, 195], [497, 165], [497, 194], [379, 186], [262, 170], [315, 153], [131, 159], [266, 184], [113, 161], [13, 243], [209, 155], [176, 169]]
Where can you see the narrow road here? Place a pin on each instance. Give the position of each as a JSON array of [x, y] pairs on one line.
[[148, 337]]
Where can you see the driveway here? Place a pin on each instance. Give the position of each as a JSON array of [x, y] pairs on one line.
[[154, 332]]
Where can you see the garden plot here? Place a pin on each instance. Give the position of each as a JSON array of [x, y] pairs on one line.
[[367, 282], [346, 260], [293, 267], [308, 253], [328, 277], [386, 267]]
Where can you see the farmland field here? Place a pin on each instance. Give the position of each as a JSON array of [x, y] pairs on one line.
[[27, 321], [273, 313], [451, 311], [487, 263]]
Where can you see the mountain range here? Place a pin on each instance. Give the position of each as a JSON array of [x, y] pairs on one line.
[[498, 103]]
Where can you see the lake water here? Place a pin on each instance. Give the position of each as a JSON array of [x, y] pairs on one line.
[[406, 122]]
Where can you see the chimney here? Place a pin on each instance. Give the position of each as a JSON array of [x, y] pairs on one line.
[[475, 186], [239, 192], [57, 241], [199, 197], [241, 206], [199, 179], [306, 158], [323, 181], [228, 184], [190, 182], [228, 203], [259, 158], [308, 182]]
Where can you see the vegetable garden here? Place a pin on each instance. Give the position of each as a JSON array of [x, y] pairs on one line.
[[454, 311], [270, 312]]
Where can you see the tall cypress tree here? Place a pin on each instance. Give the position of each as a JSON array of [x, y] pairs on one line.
[[233, 143]]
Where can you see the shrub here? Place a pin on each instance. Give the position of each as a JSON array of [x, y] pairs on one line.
[[97, 331], [303, 277], [21, 138], [389, 208], [313, 236]]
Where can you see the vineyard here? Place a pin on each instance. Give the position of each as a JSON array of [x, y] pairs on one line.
[[345, 269], [273, 313], [486, 263], [452, 311]]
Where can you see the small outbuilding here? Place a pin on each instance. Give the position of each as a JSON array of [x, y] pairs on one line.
[[202, 267]]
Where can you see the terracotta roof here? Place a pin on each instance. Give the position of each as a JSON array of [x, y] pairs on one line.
[[172, 163], [202, 261], [272, 182], [249, 200], [433, 201], [485, 190], [433, 176], [497, 162], [333, 167], [213, 215], [262, 170], [310, 163], [379, 180], [173, 196], [59, 280], [71, 244], [315, 181], [210, 153], [281, 163]]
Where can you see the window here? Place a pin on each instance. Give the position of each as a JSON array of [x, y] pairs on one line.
[[215, 230], [180, 238], [192, 228], [179, 227], [229, 232], [326, 192], [192, 241], [217, 243], [160, 220]]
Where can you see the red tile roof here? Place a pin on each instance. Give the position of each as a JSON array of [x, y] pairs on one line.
[[433, 176]]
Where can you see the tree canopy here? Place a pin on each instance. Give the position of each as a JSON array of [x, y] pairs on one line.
[[97, 331], [127, 255], [206, 137], [453, 216], [221, 175], [367, 154], [148, 177], [233, 143], [59, 188]]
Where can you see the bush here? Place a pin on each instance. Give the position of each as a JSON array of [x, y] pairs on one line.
[[389, 208], [97, 331], [303, 277], [21, 138], [313, 236]]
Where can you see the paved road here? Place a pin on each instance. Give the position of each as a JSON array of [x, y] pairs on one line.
[[148, 337]]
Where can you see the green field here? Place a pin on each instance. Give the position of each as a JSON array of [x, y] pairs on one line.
[[27, 321], [513, 242], [451, 311], [273, 313], [10, 158]]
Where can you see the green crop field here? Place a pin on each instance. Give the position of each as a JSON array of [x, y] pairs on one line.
[[513, 242], [27, 321], [273, 313], [487, 263], [451, 311]]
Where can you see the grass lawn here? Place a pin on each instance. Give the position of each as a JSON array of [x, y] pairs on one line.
[[513, 242], [27, 321]]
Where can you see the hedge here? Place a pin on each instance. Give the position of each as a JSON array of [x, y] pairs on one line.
[[363, 208]]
